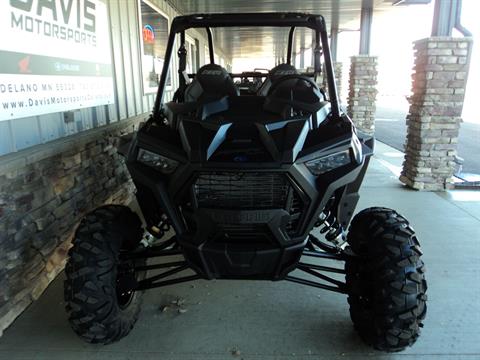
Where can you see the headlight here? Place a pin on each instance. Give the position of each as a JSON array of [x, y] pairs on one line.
[[156, 161], [329, 162]]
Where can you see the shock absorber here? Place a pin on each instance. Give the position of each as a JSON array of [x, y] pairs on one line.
[[156, 232], [331, 228]]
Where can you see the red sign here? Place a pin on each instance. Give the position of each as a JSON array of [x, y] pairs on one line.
[[148, 34]]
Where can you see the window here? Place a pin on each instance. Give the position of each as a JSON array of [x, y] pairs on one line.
[[296, 59], [207, 55], [154, 37], [308, 57]]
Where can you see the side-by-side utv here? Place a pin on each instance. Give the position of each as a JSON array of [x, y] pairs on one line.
[[243, 168]]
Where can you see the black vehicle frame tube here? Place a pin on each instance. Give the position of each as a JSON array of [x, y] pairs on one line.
[[312, 272], [317, 54], [210, 45], [160, 266], [314, 284], [163, 77], [175, 281], [323, 255], [332, 88], [291, 34], [163, 275], [321, 268], [182, 59]]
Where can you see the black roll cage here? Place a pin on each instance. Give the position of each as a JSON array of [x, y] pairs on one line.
[[280, 19]]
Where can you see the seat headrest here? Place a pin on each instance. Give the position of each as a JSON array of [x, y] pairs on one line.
[[274, 75], [282, 70], [212, 73], [294, 92], [211, 82]]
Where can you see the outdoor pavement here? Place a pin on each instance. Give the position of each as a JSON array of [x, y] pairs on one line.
[[281, 320]]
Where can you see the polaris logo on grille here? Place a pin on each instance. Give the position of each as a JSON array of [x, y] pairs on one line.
[[240, 158], [250, 217]]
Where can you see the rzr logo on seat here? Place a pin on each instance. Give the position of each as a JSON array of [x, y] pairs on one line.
[[211, 72], [285, 72]]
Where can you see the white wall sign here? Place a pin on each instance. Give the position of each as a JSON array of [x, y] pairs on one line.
[[55, 56]]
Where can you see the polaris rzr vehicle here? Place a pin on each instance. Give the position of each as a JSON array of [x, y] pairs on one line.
[[256, 184]]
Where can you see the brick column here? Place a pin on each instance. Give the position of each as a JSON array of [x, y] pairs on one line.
[[337, 68], [362, 92], [438, 87]]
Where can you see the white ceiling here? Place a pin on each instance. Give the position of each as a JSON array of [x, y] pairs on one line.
[[240, 42]]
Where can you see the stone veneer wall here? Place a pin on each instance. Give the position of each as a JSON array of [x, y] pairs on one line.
[[362, 92], [439, 81], [44, 192]]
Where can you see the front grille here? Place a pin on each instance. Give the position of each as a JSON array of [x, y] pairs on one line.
[[249, 191], [241, 190]]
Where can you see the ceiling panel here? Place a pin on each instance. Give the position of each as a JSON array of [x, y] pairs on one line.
[[242, 42]]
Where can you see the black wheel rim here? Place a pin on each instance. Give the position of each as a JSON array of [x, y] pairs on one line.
[[126, 278]]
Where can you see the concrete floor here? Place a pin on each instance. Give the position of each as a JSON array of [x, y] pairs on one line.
[[266, 320]]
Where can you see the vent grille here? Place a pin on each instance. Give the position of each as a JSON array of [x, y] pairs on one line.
[[241, 190], [295, 211]]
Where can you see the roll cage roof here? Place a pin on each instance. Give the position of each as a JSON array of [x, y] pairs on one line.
[[277, 19], [314, 22]]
